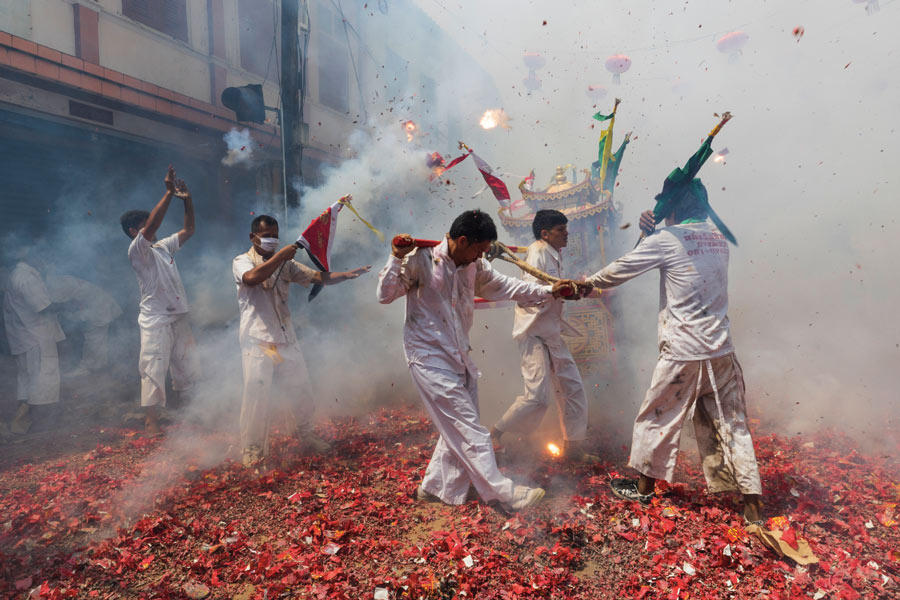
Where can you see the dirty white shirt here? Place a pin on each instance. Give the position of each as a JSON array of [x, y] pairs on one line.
[[544, 320], [27, 321], [162, 293], [265, 313], [693, 288], [90, 303], [440, 303]]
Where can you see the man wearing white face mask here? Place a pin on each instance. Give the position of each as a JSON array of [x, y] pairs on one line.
[[270, 353], [166, 337]]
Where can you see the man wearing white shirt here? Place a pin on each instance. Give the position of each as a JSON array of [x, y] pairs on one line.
[[547, 364], [33, 331], [270, 354], [95, 309], [166, 338], [697, 375], [440, 285]]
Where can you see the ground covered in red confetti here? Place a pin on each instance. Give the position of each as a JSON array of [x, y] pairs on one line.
[[344, 525]]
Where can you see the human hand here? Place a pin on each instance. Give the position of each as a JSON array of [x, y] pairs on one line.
[[353, 274], [564, 288], [403, 249], [170, 179], [181, 190], [584, 290], [647, 222], [287, 253]]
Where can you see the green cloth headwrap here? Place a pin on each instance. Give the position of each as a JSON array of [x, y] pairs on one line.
[[682, 184]]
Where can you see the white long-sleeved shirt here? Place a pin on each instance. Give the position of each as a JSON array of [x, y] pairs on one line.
[[693, 288], [440, 303], [265, 312], [91, 303], [543, 320]]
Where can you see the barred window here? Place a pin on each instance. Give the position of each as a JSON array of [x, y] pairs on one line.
[[167, 16]]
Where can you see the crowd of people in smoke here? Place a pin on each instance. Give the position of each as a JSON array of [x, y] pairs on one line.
[[697, 376]]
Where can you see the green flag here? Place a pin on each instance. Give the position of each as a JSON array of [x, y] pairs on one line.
[[612, 171], [601, 117]]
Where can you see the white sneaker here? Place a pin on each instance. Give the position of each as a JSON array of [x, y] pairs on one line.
[[523, 497], [425, 496], [251, 455]]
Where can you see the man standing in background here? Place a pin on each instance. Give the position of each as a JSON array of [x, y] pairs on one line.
[[33, 331], [166, 338], [270, 352], [95, 309], [547, 365]]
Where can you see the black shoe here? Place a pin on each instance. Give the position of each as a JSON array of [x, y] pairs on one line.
[[627, 489]]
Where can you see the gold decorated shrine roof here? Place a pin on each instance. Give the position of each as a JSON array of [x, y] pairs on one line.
[[577, 212]]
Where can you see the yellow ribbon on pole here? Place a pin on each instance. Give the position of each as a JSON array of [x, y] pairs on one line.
[[346, 202]]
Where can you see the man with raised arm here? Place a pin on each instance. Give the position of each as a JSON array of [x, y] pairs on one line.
[[697, 375], [166, 338], [270, 352], [440, 285]]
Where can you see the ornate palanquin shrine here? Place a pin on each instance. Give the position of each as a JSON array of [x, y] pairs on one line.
[[592, 221]]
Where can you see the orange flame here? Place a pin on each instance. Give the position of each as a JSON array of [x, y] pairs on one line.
[[553, 449], [410, 128]]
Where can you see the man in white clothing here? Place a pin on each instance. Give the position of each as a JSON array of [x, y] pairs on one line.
[[440, 285], [547, 365], [166, 339], [698, 376], [33, 331], [270, 353], [95, 309]]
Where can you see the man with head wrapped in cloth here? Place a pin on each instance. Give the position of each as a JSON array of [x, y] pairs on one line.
[[697, 376]]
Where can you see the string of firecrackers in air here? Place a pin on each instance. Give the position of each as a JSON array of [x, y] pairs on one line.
[[345, 201]]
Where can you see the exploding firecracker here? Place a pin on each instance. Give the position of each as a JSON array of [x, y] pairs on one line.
[[798, 32], [494, 117], [410, 128]]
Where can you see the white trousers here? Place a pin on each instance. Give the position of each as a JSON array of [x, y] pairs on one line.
[[548, 369], [276, 381], [38, 374], [165, 349], [711, 393], [95, 351], [464, 453]]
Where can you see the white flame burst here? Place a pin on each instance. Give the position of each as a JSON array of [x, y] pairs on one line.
[[494, 117], [553, 449]]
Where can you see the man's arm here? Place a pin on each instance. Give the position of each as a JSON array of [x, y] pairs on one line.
[[331, 278], [259, 274], [181, 191], [396, 278], [159, 211], [646, 256]]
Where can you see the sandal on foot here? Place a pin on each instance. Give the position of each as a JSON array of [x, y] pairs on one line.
[[627, 489]]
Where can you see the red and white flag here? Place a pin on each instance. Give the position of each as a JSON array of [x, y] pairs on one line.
[[319, 236], [495, 183]]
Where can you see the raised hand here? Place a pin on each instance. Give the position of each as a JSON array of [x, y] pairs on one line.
[[647, 222], [170, 179], [180, 190], [401, 251]]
